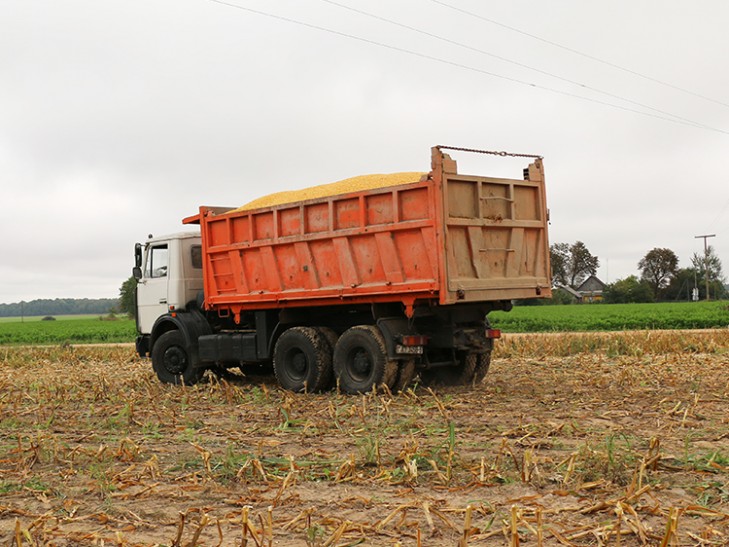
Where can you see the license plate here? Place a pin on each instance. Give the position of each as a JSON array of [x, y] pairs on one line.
[[409, 350]]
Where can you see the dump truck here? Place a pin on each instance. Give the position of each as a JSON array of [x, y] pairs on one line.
[[368, 283]]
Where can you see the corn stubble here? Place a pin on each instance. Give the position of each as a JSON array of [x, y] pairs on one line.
[[569, 441]]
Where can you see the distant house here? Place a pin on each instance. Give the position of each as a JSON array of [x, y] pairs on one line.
[[591, 290]]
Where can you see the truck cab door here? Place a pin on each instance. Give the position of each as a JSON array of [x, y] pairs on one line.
[[152, 289]]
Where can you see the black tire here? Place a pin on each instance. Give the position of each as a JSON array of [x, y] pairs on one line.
[[171, 361], [302, 360], [361, 362], [482, 367], [331, 337], [405, 375], [470, 368]]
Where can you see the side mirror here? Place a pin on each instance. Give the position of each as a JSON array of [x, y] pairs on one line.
[[138, 256], [137, 273]]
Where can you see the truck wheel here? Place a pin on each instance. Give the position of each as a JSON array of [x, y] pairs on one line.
[[302, 360], [171, 361], [405, 375], [361, 362], [470, 368], [331, 337], [482, 367]]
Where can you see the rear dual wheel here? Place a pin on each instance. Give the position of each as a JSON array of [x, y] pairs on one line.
[[302, 360], [305, 358], [361, 362], [405, 375]]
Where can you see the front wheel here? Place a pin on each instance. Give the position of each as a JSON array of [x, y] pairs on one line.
[[172, 362]]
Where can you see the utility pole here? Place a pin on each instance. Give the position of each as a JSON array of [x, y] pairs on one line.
[[706, 261]]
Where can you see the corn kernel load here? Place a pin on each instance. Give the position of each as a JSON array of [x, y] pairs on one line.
[[354, 184]]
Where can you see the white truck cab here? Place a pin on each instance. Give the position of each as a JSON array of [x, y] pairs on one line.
[[168, 270]]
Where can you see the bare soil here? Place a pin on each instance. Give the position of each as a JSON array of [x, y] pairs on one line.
[[593, 448]]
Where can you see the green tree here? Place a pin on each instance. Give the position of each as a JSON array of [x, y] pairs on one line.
[[560, 298], [58, 306], [628, 290], [658, 267], [571, 264], [559, 256], [711, 262], [681, 285], [127, 298]]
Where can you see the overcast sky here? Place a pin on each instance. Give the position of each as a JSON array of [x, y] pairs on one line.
[[119, 118]]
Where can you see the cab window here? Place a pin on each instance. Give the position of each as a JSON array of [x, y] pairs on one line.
[[157, 262], [196, 256]]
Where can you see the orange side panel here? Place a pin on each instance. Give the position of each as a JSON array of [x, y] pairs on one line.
[[452, 238], [374, 246]]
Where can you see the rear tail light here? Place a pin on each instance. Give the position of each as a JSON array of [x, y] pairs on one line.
[[493, 333], [413, 340]]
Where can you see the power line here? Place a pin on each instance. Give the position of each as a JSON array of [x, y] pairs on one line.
[[673, 119], [580, 53], [720, 215], [511, 61]]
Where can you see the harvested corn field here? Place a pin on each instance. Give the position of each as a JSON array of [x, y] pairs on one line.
[[621, 440], [353, 184]]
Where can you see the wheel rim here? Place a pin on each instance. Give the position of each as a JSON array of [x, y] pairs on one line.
[[297, 365], [175, 360], [361, 365]]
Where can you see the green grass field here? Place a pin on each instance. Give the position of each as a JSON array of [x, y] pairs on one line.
[[82, 329], [613, 317], [576, 318]]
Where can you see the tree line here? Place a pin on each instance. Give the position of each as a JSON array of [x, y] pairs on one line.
[[60, 306], [659, 279]]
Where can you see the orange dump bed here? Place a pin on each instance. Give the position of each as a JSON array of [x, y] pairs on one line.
[[451, 238]]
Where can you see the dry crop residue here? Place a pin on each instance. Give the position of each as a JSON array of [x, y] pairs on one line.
[[569, 441]]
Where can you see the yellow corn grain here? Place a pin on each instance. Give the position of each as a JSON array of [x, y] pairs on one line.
[[353, 184]]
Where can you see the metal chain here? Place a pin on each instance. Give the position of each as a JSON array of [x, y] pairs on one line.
[[493, 153]]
